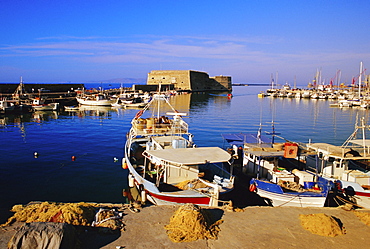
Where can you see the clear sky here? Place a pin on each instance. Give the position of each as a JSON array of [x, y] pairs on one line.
[[87, 40]]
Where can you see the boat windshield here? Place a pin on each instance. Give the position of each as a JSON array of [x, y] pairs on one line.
[[209, 170], [360, 165]]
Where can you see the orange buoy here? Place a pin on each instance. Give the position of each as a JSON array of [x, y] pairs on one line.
[[124, 165], [73, 158], [252, 187]]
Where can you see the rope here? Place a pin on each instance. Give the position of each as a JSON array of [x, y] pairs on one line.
[[349, 202], [289, 201]]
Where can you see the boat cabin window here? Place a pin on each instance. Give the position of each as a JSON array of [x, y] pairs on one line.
[[360, 165], [209, 170], [331, 159]]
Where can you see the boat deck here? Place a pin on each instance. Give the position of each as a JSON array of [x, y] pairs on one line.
[[338, 151], [161, 129]]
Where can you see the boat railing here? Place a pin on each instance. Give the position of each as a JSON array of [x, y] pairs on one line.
[[150, 127]]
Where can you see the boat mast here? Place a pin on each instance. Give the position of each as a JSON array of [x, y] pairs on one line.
[[359, 81], [159, 95], [19, 91], [272, 81]]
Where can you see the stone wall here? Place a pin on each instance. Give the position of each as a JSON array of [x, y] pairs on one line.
[[188, 80]]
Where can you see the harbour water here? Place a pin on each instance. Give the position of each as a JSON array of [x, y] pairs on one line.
[[96, 136]]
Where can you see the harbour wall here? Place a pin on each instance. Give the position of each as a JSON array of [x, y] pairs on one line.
[[9, 88]]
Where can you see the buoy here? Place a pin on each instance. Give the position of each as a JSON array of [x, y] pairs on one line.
[[115, 159], [36, 155], [143, 196], [142, 193], [252, 187], [73, 158], [124, 165], [131, 181]]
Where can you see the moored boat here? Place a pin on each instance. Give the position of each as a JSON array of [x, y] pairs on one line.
[[165, 165], [38, 104], [96, 99], [71, 108], [6, 106], [136, 102], [278, 175], [347, 165]]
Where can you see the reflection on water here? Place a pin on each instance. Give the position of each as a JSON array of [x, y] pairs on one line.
[[96, 135]]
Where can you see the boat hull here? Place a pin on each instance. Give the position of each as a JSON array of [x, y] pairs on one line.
[[361, 196], [171, 198], [276, 197], [107, 102], [157, 197], [47, 107]]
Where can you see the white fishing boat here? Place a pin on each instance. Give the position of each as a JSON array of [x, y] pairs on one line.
[[38, 104], [71, 108], [315, 95], [278, 175], [136, 102], [6, 106], [306, 94], [348, 165], [95, 99], [165, 165]]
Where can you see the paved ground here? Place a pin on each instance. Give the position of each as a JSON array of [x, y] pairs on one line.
[[256, 227]]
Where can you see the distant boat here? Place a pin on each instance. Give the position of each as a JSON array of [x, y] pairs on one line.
[[38, 104], [71, 108], [306, 94], [136, 102], [261, 94], [6, 106], [95, 100]]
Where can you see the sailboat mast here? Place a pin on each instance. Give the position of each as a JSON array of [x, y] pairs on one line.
[[272, 81], [359, 81]]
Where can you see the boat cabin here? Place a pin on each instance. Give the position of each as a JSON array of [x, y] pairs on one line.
[[342, 163], [174, 166]]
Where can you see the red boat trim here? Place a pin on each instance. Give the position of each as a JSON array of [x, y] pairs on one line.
[[195, 200], [362, 194]]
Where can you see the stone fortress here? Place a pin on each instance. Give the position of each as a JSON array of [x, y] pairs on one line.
[[188, 80]]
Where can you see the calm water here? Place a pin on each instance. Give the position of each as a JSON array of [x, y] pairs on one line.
[[95, 136]]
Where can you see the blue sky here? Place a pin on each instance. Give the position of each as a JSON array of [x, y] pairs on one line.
[[81, 41]]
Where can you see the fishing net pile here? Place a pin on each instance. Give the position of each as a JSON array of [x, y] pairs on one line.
[[190, 223], [108, 218], [191, 184], [291, 185], [72, 213], [364, 217], [321, 224]]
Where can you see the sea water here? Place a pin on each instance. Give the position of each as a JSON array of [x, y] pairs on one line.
[[76, 156]]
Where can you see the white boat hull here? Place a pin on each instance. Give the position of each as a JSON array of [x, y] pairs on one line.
[[278, 200], [106, 102], [47, 107]]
